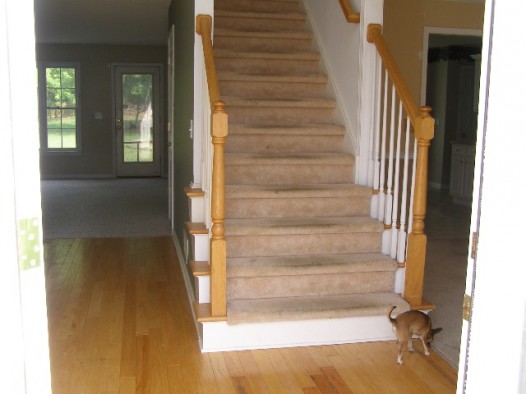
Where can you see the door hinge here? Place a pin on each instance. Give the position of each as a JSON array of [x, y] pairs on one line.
[[474, 241], [466, 308]]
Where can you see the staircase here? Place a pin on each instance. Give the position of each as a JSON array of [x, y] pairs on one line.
[[301, 247]]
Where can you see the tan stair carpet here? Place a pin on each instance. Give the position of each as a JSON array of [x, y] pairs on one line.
[[300, 243]]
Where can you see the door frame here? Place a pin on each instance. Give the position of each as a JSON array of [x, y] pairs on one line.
[[158, 141]]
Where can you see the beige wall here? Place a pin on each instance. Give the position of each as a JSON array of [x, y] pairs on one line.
[[97, 156], [404, 22]]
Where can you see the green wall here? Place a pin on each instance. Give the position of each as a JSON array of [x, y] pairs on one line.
[[97, 157], [182, 18]]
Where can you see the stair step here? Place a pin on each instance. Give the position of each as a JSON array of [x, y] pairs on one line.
[[272, 86], [291, 62], [304, 168], [301, 226], [322, 138], [260, 21], [288, 112], [309, 236], [313, 307], [289, 201], [309, 265], [258, 5], [281, 41]]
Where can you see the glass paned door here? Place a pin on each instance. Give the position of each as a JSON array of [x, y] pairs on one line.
[[137, 122]]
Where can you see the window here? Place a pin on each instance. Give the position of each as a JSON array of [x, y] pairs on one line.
[[59, 99]]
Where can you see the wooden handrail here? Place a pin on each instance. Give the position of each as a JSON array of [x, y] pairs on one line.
[[219, 133], [423, 126], [203, 27], [374, 36], [350, 15]]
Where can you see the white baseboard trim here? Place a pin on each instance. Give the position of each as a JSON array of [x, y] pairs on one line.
[[186, 277], [220, 336]]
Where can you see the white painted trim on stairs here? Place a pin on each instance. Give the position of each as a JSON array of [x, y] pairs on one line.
[[371, 11], [186, 278], [220, 336]]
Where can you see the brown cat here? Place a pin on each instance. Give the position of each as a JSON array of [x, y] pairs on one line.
[[412, 323]]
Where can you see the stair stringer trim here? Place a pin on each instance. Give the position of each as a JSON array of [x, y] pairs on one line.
[[220, 336]]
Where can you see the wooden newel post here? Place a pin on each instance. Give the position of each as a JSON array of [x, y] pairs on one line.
[[218, 242], [417, 239]]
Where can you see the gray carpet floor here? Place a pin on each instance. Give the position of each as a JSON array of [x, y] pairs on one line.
[[139, 207], [123, 207]]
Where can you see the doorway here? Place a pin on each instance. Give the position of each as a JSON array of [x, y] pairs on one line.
[[450, 87], [450, 73], [137, 122]]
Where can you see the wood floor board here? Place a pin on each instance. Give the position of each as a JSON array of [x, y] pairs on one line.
[[120, 322]]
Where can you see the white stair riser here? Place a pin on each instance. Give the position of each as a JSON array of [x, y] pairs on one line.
[[219, 336], [202, 289]]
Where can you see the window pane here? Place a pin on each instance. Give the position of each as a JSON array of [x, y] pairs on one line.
[[52, 77], [61, 113], [68, 139], [68, 77], [69, 99], [53, 97], [54, 138], [69, 120]]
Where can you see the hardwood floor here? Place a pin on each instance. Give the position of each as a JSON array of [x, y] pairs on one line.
[[120, 322]]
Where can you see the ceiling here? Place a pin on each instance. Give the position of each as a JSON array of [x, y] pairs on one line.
[[143, 22]]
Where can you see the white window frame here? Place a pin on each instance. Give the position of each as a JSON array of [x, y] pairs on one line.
[[42, 104]]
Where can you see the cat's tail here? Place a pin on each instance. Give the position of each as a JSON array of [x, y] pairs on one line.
[[393, 321]]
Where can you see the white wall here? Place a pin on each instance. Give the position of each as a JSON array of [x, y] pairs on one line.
[[339, 43]]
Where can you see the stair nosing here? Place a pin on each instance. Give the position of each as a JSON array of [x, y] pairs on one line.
[[296, 16], [288, 34], [283, 55], [301, 226]]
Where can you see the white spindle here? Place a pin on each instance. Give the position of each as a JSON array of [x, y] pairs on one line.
[[386, 236], [376, 144], [410, 220], [394, 222], [381, 189], [402, 235]]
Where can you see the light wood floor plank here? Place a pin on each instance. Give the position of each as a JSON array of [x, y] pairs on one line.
[[120, 322]]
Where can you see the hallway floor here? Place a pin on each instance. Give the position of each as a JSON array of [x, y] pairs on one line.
[[120, 322], [447, 227]]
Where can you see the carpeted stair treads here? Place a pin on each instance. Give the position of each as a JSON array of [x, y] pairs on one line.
[[300, 242]]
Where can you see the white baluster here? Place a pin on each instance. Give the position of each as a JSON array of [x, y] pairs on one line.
[[394, 229], [410, 220], [402, 235], [376, 145], [381, 192], [386, 235]]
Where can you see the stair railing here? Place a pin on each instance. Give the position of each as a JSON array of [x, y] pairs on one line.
[[218, 129], [350, 15], [400, 190]]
